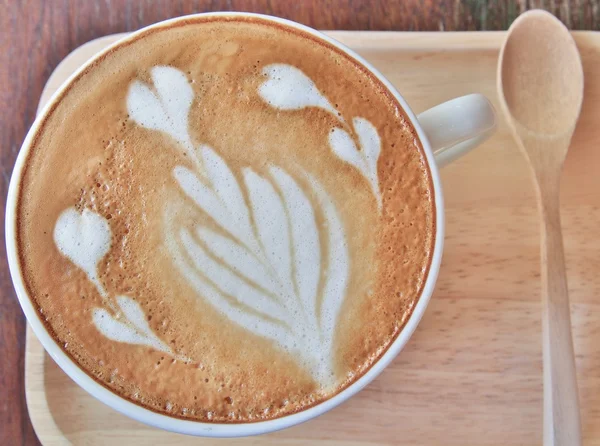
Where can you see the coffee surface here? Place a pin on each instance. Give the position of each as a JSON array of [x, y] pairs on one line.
[[225, 220]]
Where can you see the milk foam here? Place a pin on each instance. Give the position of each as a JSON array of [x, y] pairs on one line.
[[161, 109], [85, 238], [132, 329], [269, 262], [273, 273], [240, 268], [365, 159], [288, 88]]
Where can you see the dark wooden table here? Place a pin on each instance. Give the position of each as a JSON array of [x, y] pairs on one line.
[[37, 34]]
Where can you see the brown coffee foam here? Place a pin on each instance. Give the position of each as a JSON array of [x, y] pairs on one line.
[[104, 162]]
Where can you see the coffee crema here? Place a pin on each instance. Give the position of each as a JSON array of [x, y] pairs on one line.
[[225, 220]]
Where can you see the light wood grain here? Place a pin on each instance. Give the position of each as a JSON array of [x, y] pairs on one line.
[[472, 373], [540, 90]]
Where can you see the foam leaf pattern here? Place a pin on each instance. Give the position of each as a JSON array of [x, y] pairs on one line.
[[271, 285], [216, 205], [271, 224], [228, 282], [238, 257], [227, 190], [338, 271], [215, 297], [304, 236]]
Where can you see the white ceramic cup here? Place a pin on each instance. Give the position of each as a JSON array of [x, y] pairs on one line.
[[446, 132]]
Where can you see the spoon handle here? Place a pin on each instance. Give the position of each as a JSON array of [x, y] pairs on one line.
[[562, 426]]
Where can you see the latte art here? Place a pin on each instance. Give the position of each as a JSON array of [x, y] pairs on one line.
[[288, 88], [216, 230], [275, 274], [271, 266], [85, 239]]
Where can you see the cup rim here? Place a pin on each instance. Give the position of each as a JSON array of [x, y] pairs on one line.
[[200, 428]]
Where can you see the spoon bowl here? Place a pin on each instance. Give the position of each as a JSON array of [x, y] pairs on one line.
[[541, 74]]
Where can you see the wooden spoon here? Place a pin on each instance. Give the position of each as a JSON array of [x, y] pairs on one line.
[[540, 84]]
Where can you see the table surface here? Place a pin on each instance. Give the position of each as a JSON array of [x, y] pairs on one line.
[[35, 35]]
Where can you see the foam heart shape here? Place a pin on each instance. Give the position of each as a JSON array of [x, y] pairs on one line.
[[84, 238]]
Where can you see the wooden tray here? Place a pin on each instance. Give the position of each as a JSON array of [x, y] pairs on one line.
[[472, 373]]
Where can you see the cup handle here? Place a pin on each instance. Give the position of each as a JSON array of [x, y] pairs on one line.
[[456, 127]]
